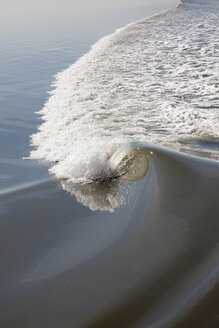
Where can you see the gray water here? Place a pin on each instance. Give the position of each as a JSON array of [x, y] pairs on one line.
[[108, 253]]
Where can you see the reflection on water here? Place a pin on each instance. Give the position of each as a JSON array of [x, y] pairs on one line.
[[129, 164], [152, 262], [105, 196]]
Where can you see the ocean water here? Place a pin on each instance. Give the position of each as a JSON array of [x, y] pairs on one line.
[[109, 183], [133, 86]]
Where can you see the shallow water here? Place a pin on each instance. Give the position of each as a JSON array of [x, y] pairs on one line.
[[91, 248]]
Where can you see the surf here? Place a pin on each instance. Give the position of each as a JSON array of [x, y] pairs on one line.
[[153, 82]]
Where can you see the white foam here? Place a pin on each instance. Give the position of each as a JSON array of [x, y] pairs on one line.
[[153, 81]]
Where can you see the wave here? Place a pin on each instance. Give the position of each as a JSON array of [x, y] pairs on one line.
[[153, 81], [132, 163]]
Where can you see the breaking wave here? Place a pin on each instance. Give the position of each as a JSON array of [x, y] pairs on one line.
[[153, 81]]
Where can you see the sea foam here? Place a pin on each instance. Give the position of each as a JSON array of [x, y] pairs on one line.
[[154, 81]]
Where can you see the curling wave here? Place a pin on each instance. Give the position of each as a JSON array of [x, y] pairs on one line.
[[153, 81], [107, 192]]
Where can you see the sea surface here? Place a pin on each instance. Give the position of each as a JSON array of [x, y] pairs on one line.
[[109, 164]]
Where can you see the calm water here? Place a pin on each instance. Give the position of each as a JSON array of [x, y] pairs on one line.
[[110, 230]]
